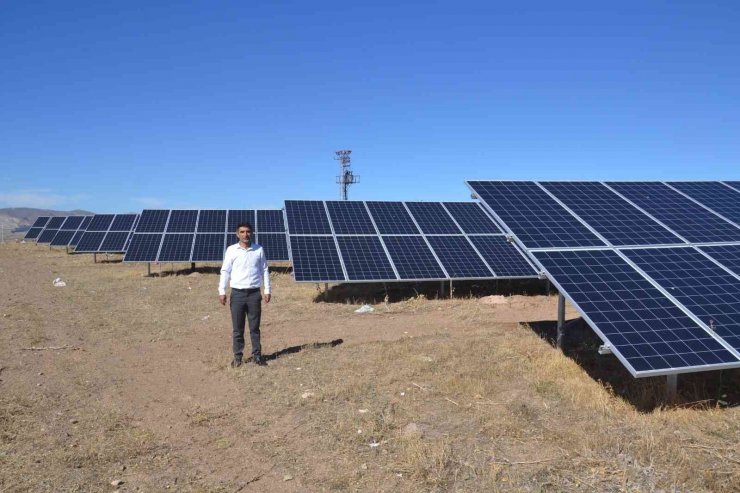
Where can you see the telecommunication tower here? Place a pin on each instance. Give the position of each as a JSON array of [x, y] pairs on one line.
[[345, 178]]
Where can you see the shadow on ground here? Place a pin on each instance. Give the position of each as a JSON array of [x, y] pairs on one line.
[[297, 349], [701, 389], [373, 293]]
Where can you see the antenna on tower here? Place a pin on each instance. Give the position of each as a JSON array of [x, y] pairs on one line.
[[345, 178]]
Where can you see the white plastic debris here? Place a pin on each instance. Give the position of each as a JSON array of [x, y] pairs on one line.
[[365, 309], [306, 395], [206, 317], [58, 283], [362, 411], [374, 444]]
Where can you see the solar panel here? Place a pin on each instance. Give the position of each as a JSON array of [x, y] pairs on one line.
[[432, 218], [713, 194], [610, 215], [727, 255], [209, 247], [391, 218], [114, 241], [72, 223], [40, 221], [47, 235], [76, 238], [237, 217], [683, 216], [63, 237], [365, 259], [56, 222], [85, 222], [90, 242], [74, 229], [275, 245], [533, 216], [231, 239], [123, 222], [412, 258], [502, 256], [472, 218], [212, 221], [176, 247], [143, 247], [270, 221], [315, 257], [33, 233], [350, 218], [182, 221], [100, 222], [307, 217], [459, 258], [644, 328], [153, 221], [733, 184], [706, 289]]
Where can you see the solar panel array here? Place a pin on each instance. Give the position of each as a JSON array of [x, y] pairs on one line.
[[36, 228], [107, 233], [73, 226], [51, 229], [654, 267], [192, 235], [356, 241]]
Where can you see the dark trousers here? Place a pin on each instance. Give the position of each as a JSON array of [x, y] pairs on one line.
[[246, 304]]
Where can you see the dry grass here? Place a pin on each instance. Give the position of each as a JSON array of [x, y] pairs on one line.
[[423, 395]]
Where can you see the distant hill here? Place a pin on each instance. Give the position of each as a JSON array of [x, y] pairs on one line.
[[21, 218]]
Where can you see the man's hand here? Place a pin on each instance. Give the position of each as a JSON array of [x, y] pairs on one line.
[[222, 299], [266, 297]]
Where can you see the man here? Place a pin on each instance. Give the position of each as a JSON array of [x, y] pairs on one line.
[[245, 265]]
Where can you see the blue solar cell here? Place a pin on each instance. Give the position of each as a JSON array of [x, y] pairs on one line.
[[432, 218], [47, 235], [182, 221], [713, 194], [143, 247], [72, 223], [459, 258], [535, 217], [647, 329], [90, 241], [392, 218], [33, 233], [727, 255], [239, 216], [176, 247], [40, 222], [472, 218], [315, 258], [76, 238], [63, 237], [412, 258], [683, 216], [503, 256], [275, 245], [365, 259], [209, 247], [152, 221], [307, 217], [85, 222], [100, 222], [114, 242], [610, 215], [707, 290], [733, 184], [231, 239], [350, 218], [56, 222], [123, 222], [270, 221], [212, 221]]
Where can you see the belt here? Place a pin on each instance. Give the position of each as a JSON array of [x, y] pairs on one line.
[[245, 290]]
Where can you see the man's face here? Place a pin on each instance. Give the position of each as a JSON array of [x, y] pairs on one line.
[[244, 234]]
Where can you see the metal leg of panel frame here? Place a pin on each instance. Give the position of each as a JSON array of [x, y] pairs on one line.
[[326, 287], [561, 320], [192, 266], [95, 258], [451, 290], [441, 289], [148, 269], [671, 388]]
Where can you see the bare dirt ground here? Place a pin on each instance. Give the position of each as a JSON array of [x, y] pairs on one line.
[[122, 377]]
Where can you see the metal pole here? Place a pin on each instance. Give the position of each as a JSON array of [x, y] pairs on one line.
[[326, 287], [95, 258], [451, 289], [148, 269], [671, 388], [561, 320], [192, 265], [441, 289]]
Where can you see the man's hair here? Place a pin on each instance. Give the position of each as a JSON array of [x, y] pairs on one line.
[[244, 225]]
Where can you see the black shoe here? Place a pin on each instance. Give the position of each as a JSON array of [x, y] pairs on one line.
[[259, 361], [237, 362]]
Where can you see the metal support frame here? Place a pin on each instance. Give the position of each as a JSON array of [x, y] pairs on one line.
[[561, 320], [441, 289], [671, 388], [95, 258], [192, 264], [148, 269], [452, 291]]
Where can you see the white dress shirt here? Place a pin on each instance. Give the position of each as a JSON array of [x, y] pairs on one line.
[[245, 267]]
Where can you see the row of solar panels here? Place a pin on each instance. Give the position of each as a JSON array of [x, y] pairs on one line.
[[653, 267], [353, 241]]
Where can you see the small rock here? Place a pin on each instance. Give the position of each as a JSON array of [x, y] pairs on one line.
[[287, 477], [363, 467], [73, 421], [306, 395], [41, 373], [362, 411], [116, 483]]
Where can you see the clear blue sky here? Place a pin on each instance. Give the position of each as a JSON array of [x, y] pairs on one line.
[[119, 106]]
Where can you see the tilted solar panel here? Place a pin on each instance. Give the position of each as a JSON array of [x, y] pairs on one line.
[[275, 245], [713, 194], [432, 218], [502, 256], [307, 217], [123, 222], [41, 221], [471, 217], [56, 222], [365, 259], [212, 221], [237, 217], [315, 257], [413, 258], [350, 218], [72, 223], [153, 221], [63, 237], [47, 235], [143, 247], [270, 221], [114, 241], [727, 255], [33, 233], [100, 222], [90, 242], [182, 221], [459, 258], [392, 218], [209, 247], [176, 247]]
